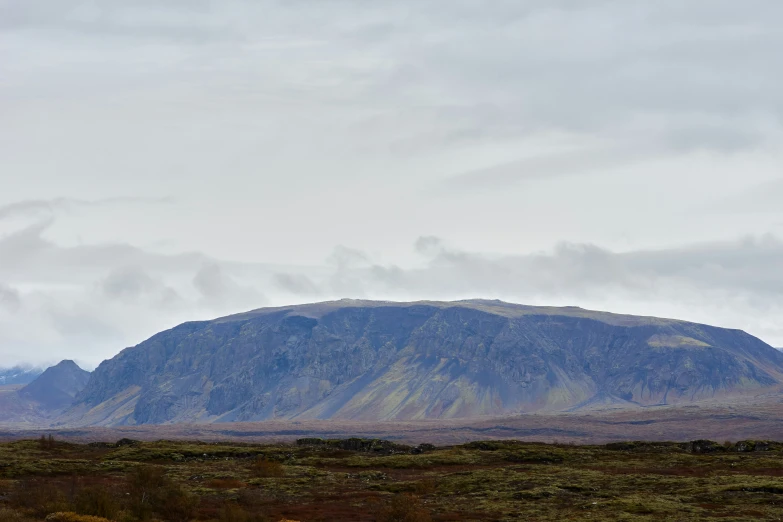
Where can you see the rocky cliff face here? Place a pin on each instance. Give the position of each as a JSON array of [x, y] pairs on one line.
[[376, 360]]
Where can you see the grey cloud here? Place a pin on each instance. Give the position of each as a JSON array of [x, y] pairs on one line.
[[26, 254], [618, 65], [707, 278], [390, 276], [297, 284], [713, 137], [36, 207], [217, 287], [90, 300], [77, 325], [127, 282], [744, 272], [761, 197], [133, 283], [734, 284], [9, 298], [748, 265], [472, 70], [25, 208], [552, 166], [348, 278], [344, 257], [428, 244], [169, 20], [212, 282]]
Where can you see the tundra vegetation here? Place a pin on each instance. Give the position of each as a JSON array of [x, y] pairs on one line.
[[376, 480]]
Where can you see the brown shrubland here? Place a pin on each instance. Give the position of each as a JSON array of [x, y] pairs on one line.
[[170, 481]]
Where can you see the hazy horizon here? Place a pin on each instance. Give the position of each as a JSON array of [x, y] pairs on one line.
[[173, 161]]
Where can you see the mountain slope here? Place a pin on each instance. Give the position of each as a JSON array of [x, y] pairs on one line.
[[369, 360], [57, 386], [45, 397]]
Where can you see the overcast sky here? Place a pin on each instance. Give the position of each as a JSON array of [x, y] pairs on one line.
[[173, 160]]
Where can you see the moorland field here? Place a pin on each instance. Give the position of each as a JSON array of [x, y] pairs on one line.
[[373, 480]]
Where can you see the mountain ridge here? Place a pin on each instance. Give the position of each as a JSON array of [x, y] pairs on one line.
[[370, 360], [19, 375], [496, 306]]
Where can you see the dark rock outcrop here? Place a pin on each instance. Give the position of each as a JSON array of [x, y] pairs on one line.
[[704, 446], [380, 446], [390, 361], [746, 446]]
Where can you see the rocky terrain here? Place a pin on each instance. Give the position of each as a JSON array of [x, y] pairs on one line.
[[364, 360]]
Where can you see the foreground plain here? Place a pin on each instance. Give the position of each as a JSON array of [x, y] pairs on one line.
[[371, 480]]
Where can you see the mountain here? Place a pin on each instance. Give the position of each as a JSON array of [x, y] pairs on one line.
[[57, 386], [366, 360], [45, 397], [18, 375]]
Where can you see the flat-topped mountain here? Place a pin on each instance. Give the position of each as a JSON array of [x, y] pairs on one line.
[[367, 360]]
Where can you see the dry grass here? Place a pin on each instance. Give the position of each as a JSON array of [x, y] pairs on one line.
[[73, 517], [225, 483], [403, 508]]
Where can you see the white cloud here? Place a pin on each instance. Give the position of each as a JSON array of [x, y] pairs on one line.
[[273, 131]]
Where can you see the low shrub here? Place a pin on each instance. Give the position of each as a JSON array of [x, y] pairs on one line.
[[151, 492], [235, 513], [9, 515], [266, 468], [46, 443], [96, 501], [38, 498], [403, 508], [176, 505], [425, 487]]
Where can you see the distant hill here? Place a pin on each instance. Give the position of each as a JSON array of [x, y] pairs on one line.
[[57, 386], [366, 360], [19, 375], [46, 396]]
